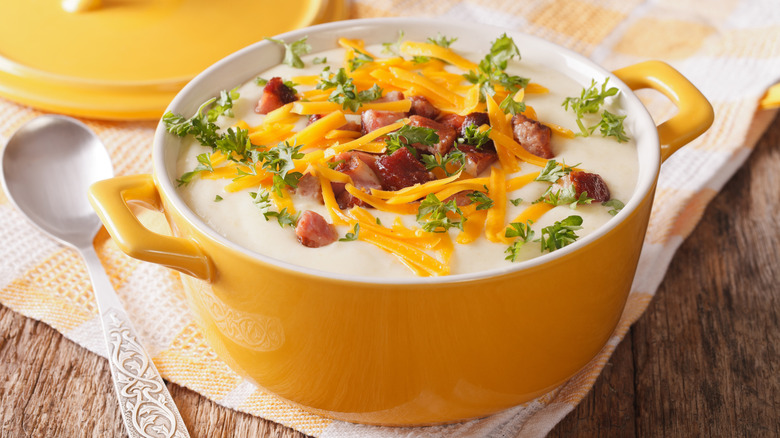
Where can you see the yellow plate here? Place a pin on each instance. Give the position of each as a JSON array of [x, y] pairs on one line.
[[126, 59]]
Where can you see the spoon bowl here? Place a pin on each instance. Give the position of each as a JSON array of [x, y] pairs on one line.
[[48, 165], [47, 168]]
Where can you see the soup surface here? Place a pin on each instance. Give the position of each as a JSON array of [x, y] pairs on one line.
[[406, 159]]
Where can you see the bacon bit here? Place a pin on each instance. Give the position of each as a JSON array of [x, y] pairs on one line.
[[452, 120], [584, 182], [461, 198], [374, 119], [391, 96], [362, 168], [422, 107], [275, 95], [477, 160], [309, 187], [314, 231], [532, 136], [401, 169], [477, 119], [447, 135]]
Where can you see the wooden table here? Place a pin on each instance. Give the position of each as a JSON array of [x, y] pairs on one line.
[[704, 360]]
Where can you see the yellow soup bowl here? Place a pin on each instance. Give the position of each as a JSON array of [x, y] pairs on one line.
[[404, 351]]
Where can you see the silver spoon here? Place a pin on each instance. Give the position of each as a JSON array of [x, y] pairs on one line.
[[47, 167]]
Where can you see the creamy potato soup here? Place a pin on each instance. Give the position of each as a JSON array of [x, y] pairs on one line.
[[406, 159]]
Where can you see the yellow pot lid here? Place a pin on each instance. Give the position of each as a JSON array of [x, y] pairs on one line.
[[126, 59]]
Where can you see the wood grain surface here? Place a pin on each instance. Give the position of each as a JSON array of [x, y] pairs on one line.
[[702, 361]]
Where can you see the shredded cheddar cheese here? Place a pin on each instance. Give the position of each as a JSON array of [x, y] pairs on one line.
[[424, 249]]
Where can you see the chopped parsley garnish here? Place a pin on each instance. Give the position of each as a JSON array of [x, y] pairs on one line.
[[560, 234], [223, 105], [516, 201], [344, 90], [510, 106], [279, 161], [263, 202], [420, 59], [349, 237], [455, 157], [217, 198], [442, 40], [553, 171], [523, 233], [481, 199], [335, 163], [234, 140], [394, 48], [589, 102], [491, 68], [205, 131], [616, 205], [432, 215], [261, 81], [409, 135], [204, 163], [474, 137], [293, 52], [565, 195], [319, 60], [611, 126], [358, 60]]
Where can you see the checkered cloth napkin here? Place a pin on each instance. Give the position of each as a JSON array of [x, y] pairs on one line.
[[730, 49]]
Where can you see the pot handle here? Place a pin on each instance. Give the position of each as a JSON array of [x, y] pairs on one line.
[[694, 112], [109, 198]]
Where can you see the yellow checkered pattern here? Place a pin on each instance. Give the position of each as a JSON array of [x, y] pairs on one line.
[[729, 48]]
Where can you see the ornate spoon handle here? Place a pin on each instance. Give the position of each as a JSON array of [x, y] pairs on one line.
[[147, 407]]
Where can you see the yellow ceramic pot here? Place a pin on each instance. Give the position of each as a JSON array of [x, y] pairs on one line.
[[416, 351]]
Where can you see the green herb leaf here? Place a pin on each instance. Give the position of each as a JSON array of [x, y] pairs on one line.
[[560, 234], [420, 59], [409, 135], [372, 93], [260, 81], [516, 201], [454, 157], [319, 60], [611, 126], [491, 68], [198, 125], [432, 215], [616, 205], [394, 48], [293, 52], [234, 140], [474, 137], [553, 171], [223, 105], [344, 90], [510, 106], [589, 102], [263, 202], [442, 40], [481, 199], [523, 233], [359, 60], [217, 198], [204, 163], [349, 237], [502, 50], [565, 195]]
